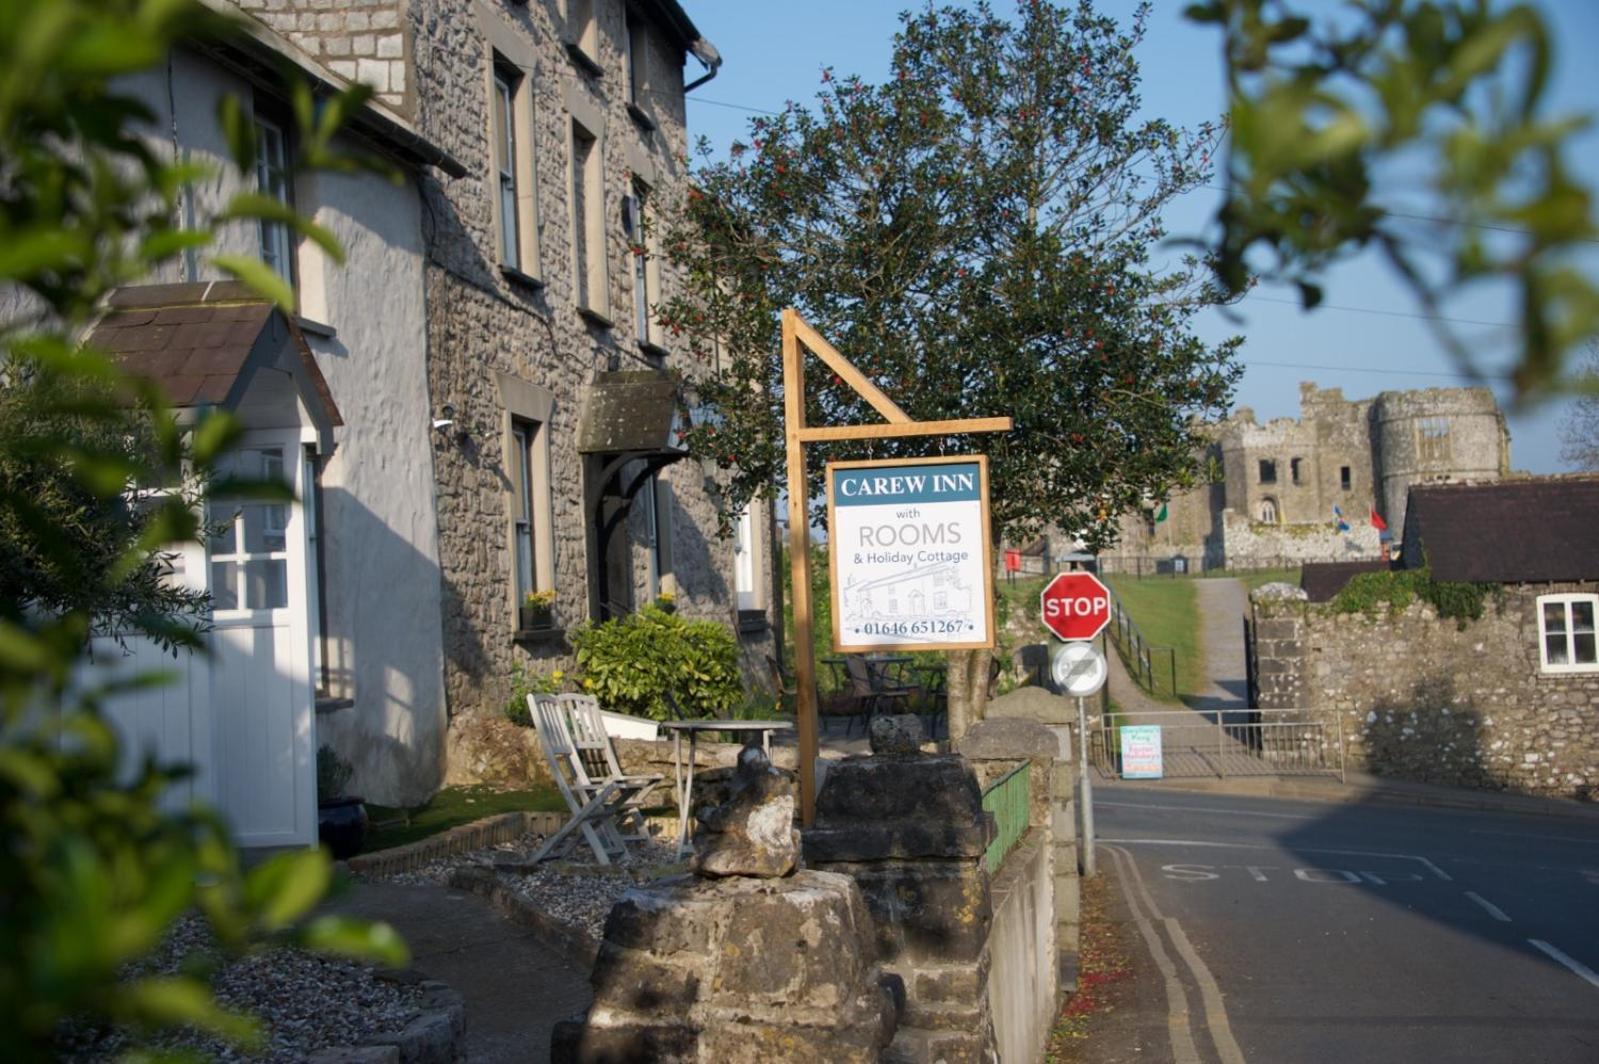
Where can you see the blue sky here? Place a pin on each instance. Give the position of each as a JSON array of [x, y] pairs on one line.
[[774, 52]]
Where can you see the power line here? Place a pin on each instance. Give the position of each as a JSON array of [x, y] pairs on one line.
[[1378, 311], [1387, 372]]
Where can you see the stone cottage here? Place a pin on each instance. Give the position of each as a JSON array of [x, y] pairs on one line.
[[1507, 700], [1270, 490]]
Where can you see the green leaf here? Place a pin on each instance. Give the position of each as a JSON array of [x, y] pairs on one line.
[[377, 942], [238, 130], [260, 277], [256, 205], [284, 888], [180, 1001]]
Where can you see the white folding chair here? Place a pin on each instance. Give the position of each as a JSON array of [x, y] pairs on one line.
[[597, 792]]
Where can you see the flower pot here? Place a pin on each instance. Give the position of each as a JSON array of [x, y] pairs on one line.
[[535, 617], [341, 826]]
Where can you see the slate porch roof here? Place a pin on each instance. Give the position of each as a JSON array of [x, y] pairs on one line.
[[196, 342], [1532, 530]]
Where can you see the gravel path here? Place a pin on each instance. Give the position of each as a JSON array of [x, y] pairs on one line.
[[305, 1002]]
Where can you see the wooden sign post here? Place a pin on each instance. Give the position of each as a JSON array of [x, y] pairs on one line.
[[799, 337]]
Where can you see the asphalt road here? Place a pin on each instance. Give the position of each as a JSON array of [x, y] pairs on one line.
[[1298, 932]]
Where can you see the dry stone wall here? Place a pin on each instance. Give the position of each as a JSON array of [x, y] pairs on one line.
[[1426, 699]]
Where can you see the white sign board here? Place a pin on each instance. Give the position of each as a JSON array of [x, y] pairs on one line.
[[908, 551], [1141, 755], [1078, 669]]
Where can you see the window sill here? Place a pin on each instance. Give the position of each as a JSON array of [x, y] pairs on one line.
[[583, 61], [325, 704], [520, 279], [653, 351], [640, 119], [595, 318], [536, 636], [753, 622], [316, 328]]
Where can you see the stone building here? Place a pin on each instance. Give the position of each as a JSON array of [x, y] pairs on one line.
[[477, 405], [557, 470], [1506, 700], [1272, 489]]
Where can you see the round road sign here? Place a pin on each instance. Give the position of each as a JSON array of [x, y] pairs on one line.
[[1075, 606], [1078, 669]]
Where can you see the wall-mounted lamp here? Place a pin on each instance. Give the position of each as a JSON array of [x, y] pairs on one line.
[[445, 419]]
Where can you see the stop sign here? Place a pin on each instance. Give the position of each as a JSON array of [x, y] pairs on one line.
[[1075, 606]]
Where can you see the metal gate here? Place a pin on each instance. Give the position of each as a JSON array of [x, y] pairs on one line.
[[1223, 743]]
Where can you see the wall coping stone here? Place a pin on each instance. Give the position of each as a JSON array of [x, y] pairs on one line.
[[478, 835]]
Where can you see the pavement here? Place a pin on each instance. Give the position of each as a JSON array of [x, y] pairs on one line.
[[514, 986], [1271, 930]]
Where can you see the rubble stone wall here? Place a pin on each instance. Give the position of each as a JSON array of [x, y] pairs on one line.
[[1428, 699]]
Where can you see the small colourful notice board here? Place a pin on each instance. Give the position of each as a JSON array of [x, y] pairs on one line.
[[1141, 752]]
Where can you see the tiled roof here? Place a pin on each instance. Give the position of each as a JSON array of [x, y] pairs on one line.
[[194, 340], [1532, 530], [1322, 580]]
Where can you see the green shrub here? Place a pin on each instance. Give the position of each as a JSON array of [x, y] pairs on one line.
[[1398, 588], [631, 663], [526, 681]]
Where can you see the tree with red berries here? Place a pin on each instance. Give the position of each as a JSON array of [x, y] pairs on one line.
[[976, 235]]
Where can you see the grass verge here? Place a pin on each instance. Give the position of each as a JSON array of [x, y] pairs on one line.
[[1164, 610], [452, 807]]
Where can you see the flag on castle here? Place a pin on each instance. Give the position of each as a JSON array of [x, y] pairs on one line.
[[1338, 518], [1161, 516], [1377, 522]]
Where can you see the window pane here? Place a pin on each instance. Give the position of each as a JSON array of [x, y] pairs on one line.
[[1583, 649], [524, 560], [1582, 616], [226, 541], [582, 147], [509, 245], [265, 527], [1554, 619], [224, 586], [267, 584]]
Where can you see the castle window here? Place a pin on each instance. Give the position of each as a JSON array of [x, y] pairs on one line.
[[1432, 439], [1268, 511], [1566, 633], [1268, 471], [1293, 470], [1343, 478]]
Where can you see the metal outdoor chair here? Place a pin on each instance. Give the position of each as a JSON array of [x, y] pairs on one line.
[[602, 799], [873, 692]]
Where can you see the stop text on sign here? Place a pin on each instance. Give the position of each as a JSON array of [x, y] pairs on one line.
[[1082, 606]]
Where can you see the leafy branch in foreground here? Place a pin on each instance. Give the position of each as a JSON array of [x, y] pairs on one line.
[[1327, 113], [94, 864]]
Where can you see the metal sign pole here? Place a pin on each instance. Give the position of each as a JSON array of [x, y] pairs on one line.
[[1085, 795]]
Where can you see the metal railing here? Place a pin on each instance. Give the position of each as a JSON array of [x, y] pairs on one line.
[[1138, 654], [1008, 799], [1236, 742]]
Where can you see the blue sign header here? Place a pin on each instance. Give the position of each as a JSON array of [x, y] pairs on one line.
[[900, 485]]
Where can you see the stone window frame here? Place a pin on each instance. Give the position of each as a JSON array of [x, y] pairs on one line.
[[1566, 599], [1267, 465], [508, 54], [582, 34], [1296, 470], [644, 183], [1432, 439], [530, 409], [1346, 478], [1269, 503], [590, 262], [636, 57]]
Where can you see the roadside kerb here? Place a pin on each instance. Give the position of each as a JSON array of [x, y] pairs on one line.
[[478, 835], [571, 941], [433, 1037], [1383, 792]]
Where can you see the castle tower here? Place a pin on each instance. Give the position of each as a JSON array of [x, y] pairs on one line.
[[1437, 434]]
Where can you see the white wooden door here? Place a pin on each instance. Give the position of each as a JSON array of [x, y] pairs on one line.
[[261, 710]]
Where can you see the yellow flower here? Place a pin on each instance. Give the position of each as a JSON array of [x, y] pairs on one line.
[[588, 683], [557, 675]]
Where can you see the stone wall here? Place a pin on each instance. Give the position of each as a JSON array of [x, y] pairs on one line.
[[1022, 950], [1432, 700], [361, 40], [1250, 541]]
